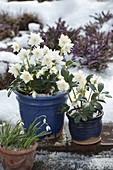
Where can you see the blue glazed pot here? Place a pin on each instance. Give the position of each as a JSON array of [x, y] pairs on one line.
[[82, 132], [30, 108]]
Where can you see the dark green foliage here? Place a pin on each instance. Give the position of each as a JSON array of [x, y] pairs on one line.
[[15, 138]]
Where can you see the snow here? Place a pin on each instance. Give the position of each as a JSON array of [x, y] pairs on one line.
[[76, 13], [8, 107], [6, 57], [62, 160]]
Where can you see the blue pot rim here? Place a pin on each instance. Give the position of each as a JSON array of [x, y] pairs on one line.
[[40, 97], [89, 120]]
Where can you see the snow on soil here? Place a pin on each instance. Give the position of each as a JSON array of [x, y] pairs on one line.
[[73, 161]]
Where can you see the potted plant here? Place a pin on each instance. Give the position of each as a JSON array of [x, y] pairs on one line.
[[17, 147], [39, 86], [86, 110]]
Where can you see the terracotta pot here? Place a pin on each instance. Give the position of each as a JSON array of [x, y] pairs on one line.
[[18, 160]]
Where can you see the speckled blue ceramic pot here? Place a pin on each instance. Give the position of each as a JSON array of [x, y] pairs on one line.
[[30, 108], [88, 132]]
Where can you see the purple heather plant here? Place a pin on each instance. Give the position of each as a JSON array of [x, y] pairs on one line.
[[4, 26], [102, 17], [92, 49], [52, 35]]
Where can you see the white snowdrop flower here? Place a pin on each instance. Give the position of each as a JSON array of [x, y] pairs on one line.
[[48, 128], [34, 94], [35, 39], [44, 120], [53, 70], [15, 47], [3, 124], [22, 132], [62, 85], [15, 69], [64, 39], [67, 48], [95, 79], [47, 60], [26, 76], [23, 54]]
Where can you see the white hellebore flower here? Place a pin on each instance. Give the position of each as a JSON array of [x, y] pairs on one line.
[[79, 76], [67, 48], [53, 70], [65, 44], [64, 39], [62, 85], [37, 53], [35, 39], [15, 47], [41, 72], [48, 128], [60, 77], [47, 61], [26, 76], [95, 79], [15, 69], [23, 54], [45, 49]]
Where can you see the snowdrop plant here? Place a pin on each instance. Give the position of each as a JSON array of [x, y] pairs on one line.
[[16, 138], [86, 97], [40, 68]]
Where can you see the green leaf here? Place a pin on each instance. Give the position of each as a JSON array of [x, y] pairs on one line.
[[100, 100], [69, 63], [65, 74], [92, 109], [92, 87], [77, 119], [105, 92], [100, 87], [98, 105], [108, 96], [89, 77], [94, 95]]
